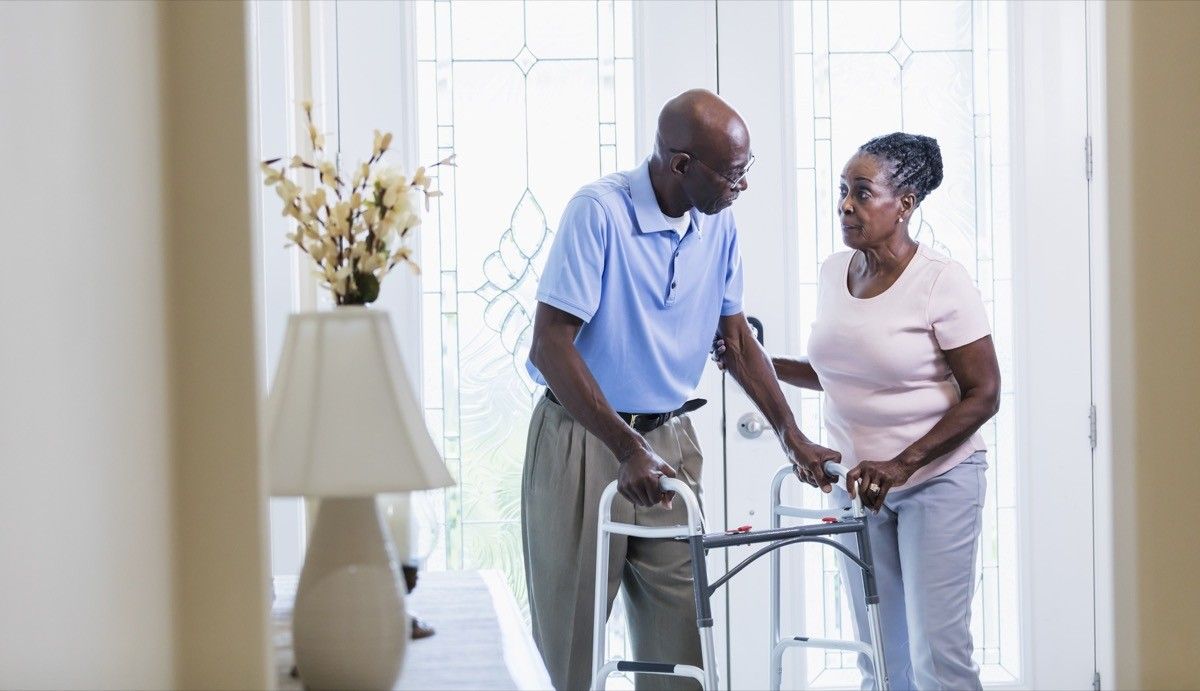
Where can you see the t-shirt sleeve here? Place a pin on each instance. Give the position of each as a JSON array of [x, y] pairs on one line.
[[572, 278], [955, 309], [732, 302]]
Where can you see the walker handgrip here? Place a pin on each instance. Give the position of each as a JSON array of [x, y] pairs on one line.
[[670, 484], [843, 475], [836, 469], [839, 471], [681, 489]]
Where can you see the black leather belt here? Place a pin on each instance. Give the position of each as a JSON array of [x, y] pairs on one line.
[[645, 423]]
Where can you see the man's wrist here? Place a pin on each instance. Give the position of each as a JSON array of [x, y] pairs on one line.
[[628, 446], [793, 436]]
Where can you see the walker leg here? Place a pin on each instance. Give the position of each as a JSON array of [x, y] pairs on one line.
[[871, 592], [776, 682], [709, 657], [600, 607], [776, 601], [776, 671], [704, 618], [881, 678]]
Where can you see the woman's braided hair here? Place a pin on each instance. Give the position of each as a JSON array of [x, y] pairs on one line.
[[916, 161]]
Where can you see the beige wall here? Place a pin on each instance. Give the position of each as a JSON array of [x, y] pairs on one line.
[[223, 576], [1154, 137], [131, 509]]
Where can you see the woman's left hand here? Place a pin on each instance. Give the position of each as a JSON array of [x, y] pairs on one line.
[[876, 478]]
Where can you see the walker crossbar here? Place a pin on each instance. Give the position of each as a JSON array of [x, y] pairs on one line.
[[783, 543]]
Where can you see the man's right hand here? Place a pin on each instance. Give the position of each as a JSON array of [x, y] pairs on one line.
[[639, 475]]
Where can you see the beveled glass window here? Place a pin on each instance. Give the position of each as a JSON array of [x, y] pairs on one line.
[[536, 99]]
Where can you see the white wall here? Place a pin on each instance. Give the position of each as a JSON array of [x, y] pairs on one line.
[[85, 468], [277, 114], [362, 107]]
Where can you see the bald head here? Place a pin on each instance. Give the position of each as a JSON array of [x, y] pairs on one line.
[[701, 154], [701, 122]]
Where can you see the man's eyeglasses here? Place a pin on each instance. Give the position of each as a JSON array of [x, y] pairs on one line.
[[734, 179]]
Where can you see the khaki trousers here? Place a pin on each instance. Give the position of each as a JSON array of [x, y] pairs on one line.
[[566, 470]]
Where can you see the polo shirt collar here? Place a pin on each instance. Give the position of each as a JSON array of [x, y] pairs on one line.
[[650, 218]]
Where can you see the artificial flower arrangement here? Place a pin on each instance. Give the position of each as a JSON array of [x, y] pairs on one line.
[[355, 232]]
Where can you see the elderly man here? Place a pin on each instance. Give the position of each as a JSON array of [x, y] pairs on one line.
[[644, 268]]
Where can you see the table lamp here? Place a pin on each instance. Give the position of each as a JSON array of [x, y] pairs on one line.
[[344, 424]]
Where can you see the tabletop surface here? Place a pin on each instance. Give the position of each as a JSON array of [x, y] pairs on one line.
[[481, 640]]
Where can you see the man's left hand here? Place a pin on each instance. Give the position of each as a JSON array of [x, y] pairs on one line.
[[874, 479]]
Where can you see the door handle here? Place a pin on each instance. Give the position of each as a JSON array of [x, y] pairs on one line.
[[751, 425]]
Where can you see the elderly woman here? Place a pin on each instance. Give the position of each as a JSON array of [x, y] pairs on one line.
[[902, 348]]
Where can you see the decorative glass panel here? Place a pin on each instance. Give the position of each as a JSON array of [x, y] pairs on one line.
[[536, 99], [939, 68]]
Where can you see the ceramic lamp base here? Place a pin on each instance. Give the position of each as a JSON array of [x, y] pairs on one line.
[[350, 629]]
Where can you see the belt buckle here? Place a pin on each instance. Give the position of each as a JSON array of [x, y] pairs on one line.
[[651, 422]]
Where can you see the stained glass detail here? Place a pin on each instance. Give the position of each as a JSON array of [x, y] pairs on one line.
[[861, 69], [525, 60], [536, 99], [901, 52]]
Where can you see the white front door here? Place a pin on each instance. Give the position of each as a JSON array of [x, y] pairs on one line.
[[999, 86]]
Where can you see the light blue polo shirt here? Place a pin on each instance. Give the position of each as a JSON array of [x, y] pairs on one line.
[[649, 299]]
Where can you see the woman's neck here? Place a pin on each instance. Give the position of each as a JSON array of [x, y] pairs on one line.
[[888, 256]]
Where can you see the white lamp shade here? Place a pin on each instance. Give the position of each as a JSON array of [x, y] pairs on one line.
[[342, 417]]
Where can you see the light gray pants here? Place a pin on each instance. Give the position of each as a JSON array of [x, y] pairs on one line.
[[566, 470], [923, 542]]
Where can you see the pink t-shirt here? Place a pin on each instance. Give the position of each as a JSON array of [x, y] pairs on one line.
[[880, 359]]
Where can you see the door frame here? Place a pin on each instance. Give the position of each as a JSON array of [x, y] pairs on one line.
[[1104, 490], [1049, 172]]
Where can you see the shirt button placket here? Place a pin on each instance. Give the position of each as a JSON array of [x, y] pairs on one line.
[[674, 282], [673, 291]]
